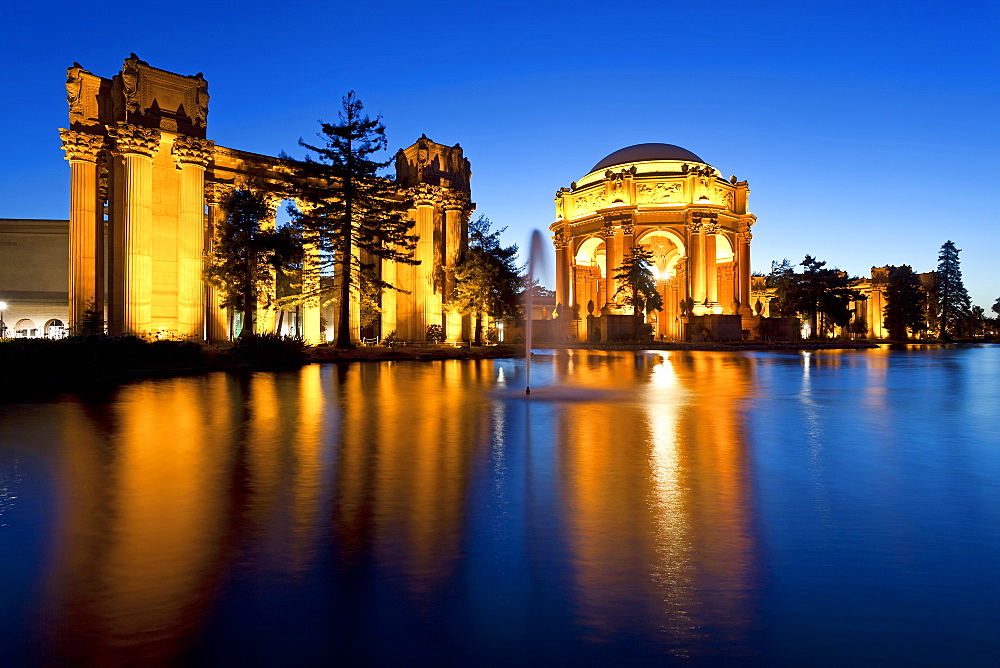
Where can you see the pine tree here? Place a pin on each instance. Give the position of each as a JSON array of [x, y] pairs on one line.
[[951, 298], [905, 303], [818, 291], [638, 285], [352, 215], [245, 258], [487, 278]]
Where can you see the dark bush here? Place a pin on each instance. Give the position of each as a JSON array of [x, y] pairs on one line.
[[270, 350]]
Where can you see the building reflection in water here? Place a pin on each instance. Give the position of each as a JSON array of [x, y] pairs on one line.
[[657, 496], [395, 474]]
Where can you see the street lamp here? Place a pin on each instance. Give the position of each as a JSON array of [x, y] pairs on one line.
[[3, 327]]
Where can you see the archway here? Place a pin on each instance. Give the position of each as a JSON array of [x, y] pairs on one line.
[[55, 329], [25, 329]]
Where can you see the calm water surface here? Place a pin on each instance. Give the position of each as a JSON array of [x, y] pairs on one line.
[[692, 507]]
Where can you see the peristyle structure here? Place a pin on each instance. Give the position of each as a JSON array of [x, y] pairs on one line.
[[146, 186], [671, 202]]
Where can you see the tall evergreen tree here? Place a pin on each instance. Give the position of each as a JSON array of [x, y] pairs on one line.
[[487, 278], [816, 292], [950, 296], [784, 280], [905, 303], [637, 284], [351, 214], [245, 258]]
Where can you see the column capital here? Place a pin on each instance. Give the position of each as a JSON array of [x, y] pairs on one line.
[[560, 239], [744, 237], [628, 227], [608, 230], [711, 227], [694, 226], [135, 140], [424, 194], [216, 193], [192, 151], [81, 146], [454, 201]]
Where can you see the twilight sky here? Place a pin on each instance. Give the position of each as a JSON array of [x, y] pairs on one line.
[[867, 130]]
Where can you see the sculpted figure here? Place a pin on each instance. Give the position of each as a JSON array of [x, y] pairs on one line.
[[201, 100], [74, 90]]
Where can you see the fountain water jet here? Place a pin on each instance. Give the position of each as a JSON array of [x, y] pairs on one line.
[[535, 264]]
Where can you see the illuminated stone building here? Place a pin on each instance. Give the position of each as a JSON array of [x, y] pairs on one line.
[[673, 203], [146, 186]]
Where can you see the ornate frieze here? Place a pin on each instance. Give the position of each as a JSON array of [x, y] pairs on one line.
[[658, 193], [134, 139], [590, 201], [81, 145], [192, 150], [724, 196]]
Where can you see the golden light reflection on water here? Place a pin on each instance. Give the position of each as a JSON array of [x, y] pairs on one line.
[[169, 487], [657, 493]]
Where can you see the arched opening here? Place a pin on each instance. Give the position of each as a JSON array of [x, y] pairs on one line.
[[667, 251], [25, 329], [55, 329], [590, 265]]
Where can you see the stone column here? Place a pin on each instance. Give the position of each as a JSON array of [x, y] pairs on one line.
[[192, 156], [136, 146], [215, 315], [610, 264], [711, 270], [86, 223], [563, 290], [454, 206], [743, 281], [266, 315], [696, 252]]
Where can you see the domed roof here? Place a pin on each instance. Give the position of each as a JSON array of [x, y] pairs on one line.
[[645, 153]]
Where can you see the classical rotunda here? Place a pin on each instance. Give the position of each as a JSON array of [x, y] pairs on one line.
[[674, 204]]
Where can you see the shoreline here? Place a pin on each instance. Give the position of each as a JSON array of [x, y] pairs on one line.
[[50, 385]]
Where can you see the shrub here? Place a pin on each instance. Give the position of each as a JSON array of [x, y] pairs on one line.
[[390, 339], [270, 350], [435, 334]]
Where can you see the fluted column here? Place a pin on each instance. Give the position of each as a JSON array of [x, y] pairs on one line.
[[610, 264], [453, 213], [215, 315], [86, 223], [711, 270], [743, 260], [696, 252], [562, 267], [192, 156], [136, 146]]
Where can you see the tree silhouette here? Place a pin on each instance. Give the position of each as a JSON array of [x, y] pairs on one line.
[[349, 213], [950, 296], [638, 285], [905, 303], [487, 278], [245, 258]]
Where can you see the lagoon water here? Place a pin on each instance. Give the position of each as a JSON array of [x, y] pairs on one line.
[[824, 508]]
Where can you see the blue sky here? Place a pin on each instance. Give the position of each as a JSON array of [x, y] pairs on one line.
[[867, 131]]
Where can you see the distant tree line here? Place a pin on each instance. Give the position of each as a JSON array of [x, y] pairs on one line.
[[824, 297]]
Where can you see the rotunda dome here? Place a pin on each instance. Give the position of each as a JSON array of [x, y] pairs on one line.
[[647, 153]]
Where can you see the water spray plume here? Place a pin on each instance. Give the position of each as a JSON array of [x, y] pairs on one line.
[[535, 264]]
